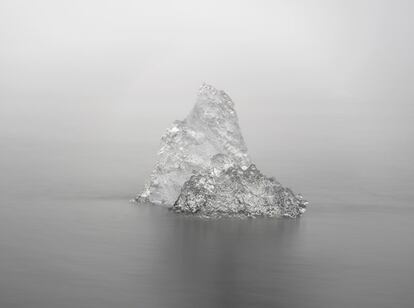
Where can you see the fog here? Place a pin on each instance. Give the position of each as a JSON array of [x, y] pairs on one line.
[[123, 70], [320, 83]]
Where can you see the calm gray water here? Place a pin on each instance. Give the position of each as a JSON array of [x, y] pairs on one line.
[[70, 238]]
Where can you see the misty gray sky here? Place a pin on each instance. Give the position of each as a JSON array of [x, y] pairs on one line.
[[123, 70]]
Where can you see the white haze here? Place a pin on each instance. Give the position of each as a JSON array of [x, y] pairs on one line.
[[317, 82]]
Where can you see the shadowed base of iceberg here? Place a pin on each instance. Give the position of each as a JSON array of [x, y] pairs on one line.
[[228, 190]]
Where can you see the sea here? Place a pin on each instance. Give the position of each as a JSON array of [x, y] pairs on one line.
[[70, 237]]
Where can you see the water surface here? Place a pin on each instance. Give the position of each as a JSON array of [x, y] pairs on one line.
[[69, 237]]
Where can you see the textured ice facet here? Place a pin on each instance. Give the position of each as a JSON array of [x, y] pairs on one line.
[[203, 167], [228, 190]]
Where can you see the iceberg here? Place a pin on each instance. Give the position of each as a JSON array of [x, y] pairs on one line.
[[204, 168]]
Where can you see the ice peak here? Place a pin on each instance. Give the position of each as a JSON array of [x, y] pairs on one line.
[[215, 115], [211, 104], [207, 88], [219, 96]]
